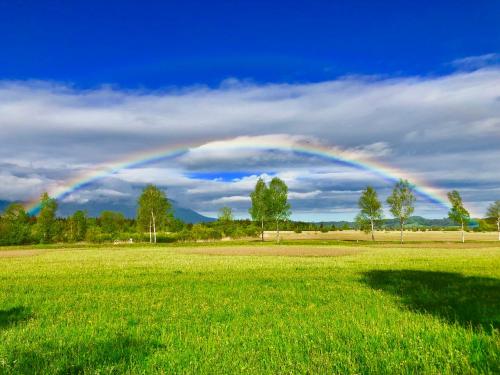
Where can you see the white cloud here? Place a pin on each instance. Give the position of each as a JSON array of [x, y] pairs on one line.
[[232, 199], [445, 130], [99, 194], [303, 195], [21, 188]]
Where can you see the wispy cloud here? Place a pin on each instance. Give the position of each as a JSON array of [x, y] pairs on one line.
[[477, 62]]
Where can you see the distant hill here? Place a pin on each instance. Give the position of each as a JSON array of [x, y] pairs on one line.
[[419, 221], [413, 221], [3, 205], [94, 209], [187, 215]]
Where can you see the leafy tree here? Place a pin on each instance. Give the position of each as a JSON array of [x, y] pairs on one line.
[[93, 233], [77, 226], [46, 218], [14, 225], [402, 203], [225, 221], [176, 225], [112, 222], [225, 215], [371, 211], [458, 213], [153, 209], [493, 214], [259, 209], [279, 208]]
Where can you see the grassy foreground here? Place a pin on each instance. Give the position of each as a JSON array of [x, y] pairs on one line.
[[251, 309]]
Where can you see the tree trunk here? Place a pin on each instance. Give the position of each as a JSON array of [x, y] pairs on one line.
[[154, 226], [498, 227], [401, 233], [463, 235], [150, 234], [373, 229], [277, 231], [262, 229]]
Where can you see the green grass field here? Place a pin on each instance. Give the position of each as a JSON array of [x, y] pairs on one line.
[[251, 308]]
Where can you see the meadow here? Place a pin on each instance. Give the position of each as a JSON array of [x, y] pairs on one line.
[[318, 306]]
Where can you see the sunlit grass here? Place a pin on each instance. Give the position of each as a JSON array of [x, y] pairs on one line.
[[175, 309]]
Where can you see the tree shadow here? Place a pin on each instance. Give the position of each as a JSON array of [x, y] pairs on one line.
[[469, 301], [14, 316], [118, 355]]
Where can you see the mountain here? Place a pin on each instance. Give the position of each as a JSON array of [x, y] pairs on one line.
[[129, 209], [94, 209]]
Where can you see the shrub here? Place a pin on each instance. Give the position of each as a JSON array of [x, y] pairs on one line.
[[184, 235]]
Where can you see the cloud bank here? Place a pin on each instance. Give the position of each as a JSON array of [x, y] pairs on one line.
[[445, 130]]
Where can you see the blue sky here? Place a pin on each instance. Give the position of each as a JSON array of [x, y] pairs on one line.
[[411, 85], [154, 44]]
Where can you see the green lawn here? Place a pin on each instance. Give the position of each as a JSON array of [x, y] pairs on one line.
[[178, 310]]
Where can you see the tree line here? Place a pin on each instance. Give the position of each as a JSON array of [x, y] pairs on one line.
[[270, 203], [402, 204], [154, 221]]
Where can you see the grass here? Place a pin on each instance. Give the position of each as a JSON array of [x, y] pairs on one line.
[[233, 309]]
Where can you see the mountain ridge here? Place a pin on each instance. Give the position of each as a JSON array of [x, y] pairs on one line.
[[66, 209]]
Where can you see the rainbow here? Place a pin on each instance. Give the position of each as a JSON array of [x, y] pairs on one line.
[[353, 159]]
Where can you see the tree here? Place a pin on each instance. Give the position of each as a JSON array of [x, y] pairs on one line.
[[402, 203], [46, 217], [225, 215], [371, 211], [77, 226], [14, 225], [279, 208], [458, 213], [153, 210], [225, 221], [112, 222], [493, 214], [259, 209]]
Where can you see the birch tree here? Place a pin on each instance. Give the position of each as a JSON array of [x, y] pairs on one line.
[[458, 213], [402, 203], [493, 213], [153, 210], [278, 206], [371, 211], [259, 209]]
